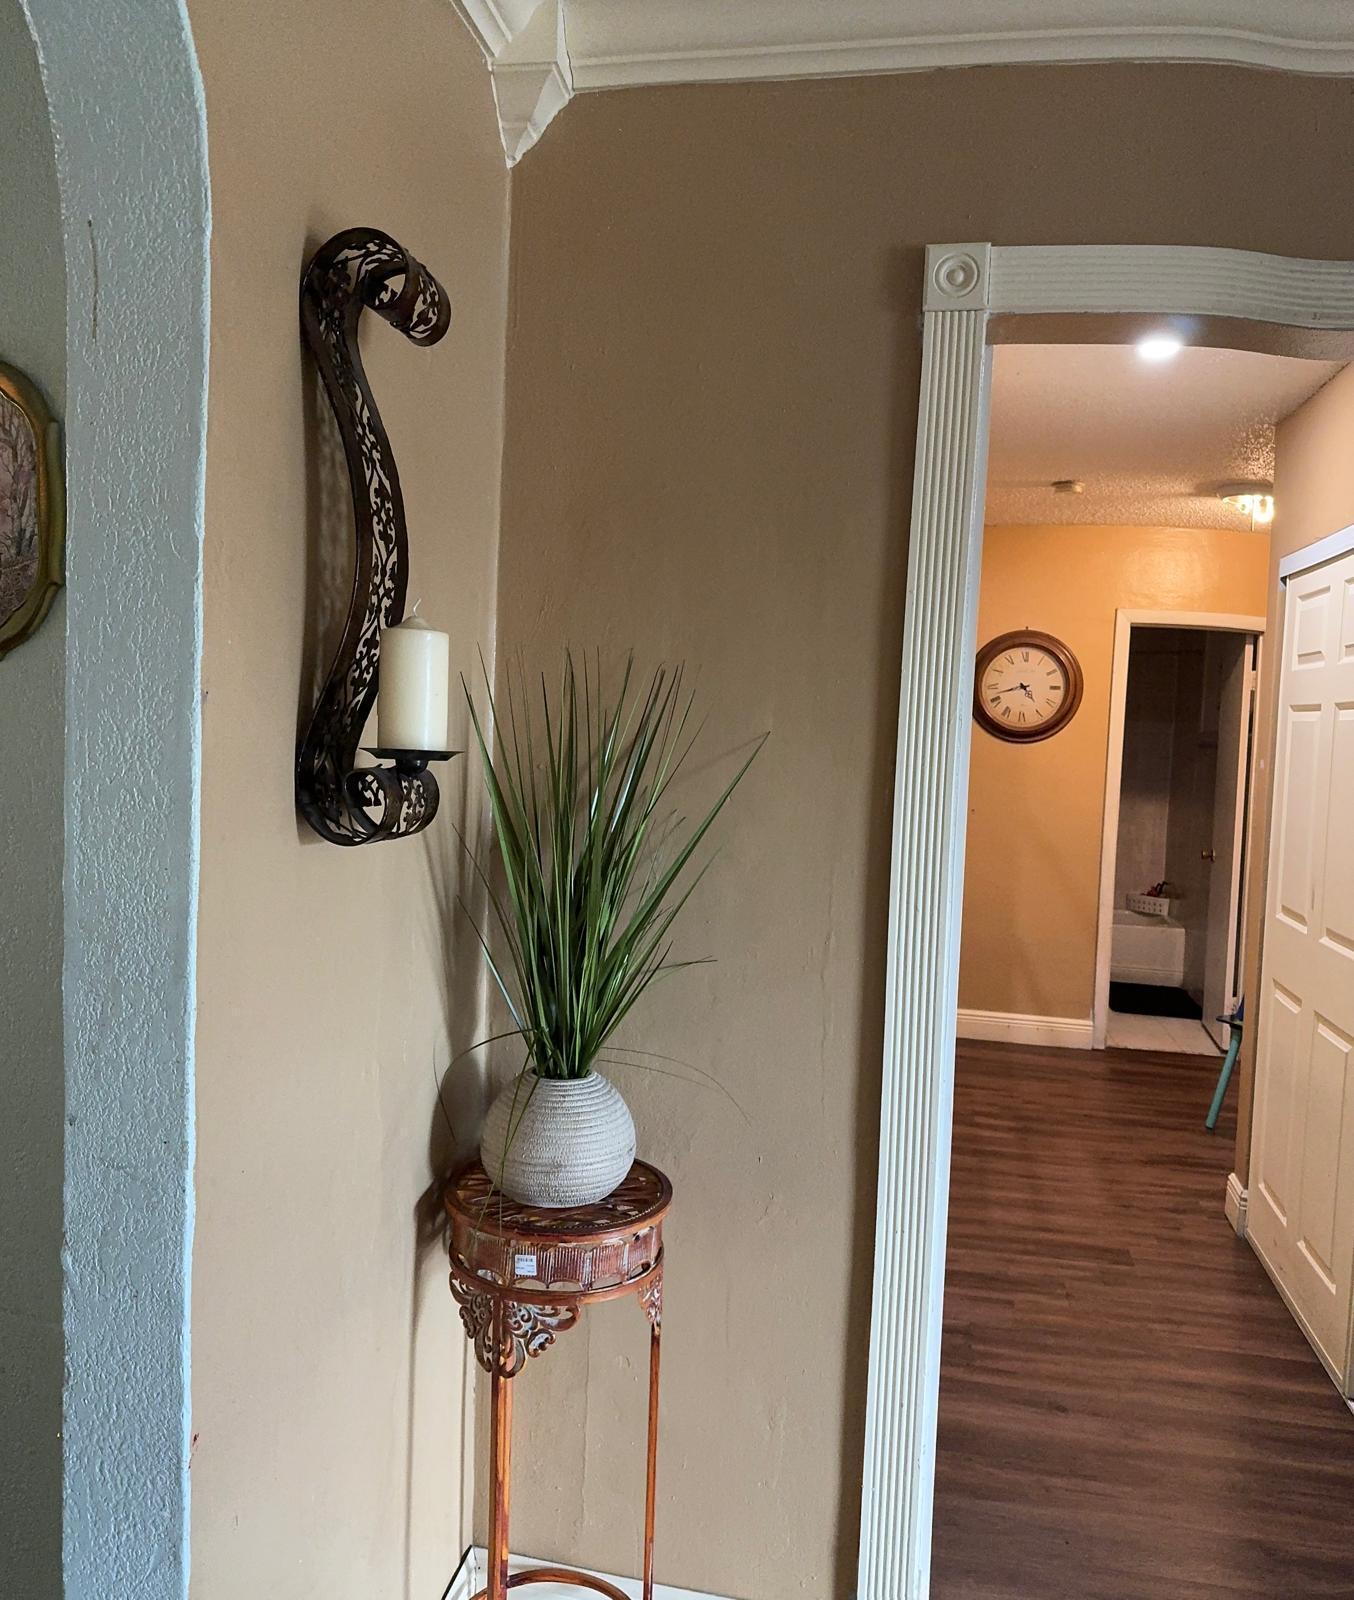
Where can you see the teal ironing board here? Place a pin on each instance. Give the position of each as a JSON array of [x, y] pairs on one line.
[[1228, 1062]]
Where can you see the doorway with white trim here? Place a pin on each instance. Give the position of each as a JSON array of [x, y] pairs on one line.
[[1112, 727], [980, 297], [1107, 796], [1169, 941]]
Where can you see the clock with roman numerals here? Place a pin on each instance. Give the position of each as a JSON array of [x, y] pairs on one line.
[[1027, 686]]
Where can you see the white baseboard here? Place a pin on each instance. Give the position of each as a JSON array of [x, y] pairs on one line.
[[466, 1579], [1235, 1204], [1010, 1027], [471, 1577]]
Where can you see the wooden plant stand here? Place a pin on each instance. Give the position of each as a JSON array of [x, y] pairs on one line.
[[522, 1274]]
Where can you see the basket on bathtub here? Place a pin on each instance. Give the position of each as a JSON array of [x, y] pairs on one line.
[[1149, 905]]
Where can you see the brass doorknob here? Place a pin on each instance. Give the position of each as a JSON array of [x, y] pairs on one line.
[[1208, 855]]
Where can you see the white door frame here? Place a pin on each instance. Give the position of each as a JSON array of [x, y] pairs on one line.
[[1124, 623], [1316, 554], [966, 286]]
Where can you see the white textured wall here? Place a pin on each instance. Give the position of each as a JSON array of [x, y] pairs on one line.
[[125, 101], [32, 680]]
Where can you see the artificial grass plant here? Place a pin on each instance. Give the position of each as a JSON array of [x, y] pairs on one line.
[[594, 863]]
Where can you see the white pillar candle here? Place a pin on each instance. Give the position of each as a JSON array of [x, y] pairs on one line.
[[411, 706]]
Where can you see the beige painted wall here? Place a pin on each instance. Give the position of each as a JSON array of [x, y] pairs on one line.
[[1032, 876], [713, 375], [327, 1361], [1313, 497]]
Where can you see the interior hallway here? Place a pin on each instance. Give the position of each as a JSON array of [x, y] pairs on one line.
[[1127, 1410]]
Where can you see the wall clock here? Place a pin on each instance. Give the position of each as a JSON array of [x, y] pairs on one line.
[[1027, 686]]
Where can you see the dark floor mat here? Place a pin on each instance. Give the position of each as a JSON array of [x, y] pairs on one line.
[[1152, 1000]]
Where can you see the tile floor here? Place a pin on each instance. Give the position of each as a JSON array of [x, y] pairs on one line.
[[1176, 1034]]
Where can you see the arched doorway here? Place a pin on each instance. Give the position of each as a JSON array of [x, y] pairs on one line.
[[126, 109]]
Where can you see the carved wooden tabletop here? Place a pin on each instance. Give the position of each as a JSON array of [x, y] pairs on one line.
[[535, 1267]]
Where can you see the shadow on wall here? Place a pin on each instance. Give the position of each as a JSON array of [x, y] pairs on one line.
[[463, 1088], [444, 896], [459, 1091]]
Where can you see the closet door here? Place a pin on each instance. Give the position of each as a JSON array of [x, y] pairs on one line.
[[1301, 1220]]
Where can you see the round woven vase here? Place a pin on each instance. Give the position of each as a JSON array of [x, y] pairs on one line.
[[558, 1141]]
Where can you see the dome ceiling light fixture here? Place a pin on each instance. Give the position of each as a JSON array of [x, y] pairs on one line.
[[1255, 500]]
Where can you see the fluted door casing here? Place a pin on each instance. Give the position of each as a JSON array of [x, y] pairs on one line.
[[926, 898]]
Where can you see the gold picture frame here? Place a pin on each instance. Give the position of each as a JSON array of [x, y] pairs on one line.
[[32, 508]]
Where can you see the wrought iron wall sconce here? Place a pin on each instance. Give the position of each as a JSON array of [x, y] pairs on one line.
[[344, 803]]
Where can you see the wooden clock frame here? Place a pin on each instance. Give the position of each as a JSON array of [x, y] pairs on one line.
[[1027, 637]]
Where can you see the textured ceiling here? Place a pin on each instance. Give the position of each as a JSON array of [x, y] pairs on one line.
[[1152, 443]]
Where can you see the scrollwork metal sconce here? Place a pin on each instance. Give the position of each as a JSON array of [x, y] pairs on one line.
[[346, 804]]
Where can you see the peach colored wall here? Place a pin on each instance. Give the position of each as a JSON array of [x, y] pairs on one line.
[[713, 377], [327, 1359], [1313, 497], [1032, 875]]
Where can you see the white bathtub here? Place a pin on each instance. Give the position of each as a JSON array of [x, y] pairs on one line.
[[1147, 950]]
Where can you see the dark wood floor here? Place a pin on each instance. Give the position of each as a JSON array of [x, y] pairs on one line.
[[1127, 1410]]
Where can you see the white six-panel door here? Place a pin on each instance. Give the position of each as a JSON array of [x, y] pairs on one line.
[[1302, 1166]]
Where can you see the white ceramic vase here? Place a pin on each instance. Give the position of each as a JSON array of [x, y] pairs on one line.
[[558, 1141]]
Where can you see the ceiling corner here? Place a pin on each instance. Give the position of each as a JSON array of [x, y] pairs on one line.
[[525, 45]]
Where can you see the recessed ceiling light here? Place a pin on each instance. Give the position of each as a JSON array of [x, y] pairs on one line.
[[1160, 346], [1254, 500]]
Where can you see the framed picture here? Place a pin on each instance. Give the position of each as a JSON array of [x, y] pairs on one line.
[[32, 508]]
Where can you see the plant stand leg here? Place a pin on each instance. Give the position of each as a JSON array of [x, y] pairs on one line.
[[651, 1479], [500, 1484]]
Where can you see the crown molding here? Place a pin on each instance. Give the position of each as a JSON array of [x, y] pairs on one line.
[[542, 52], [617, 43], [495, 25], [524, 44]]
